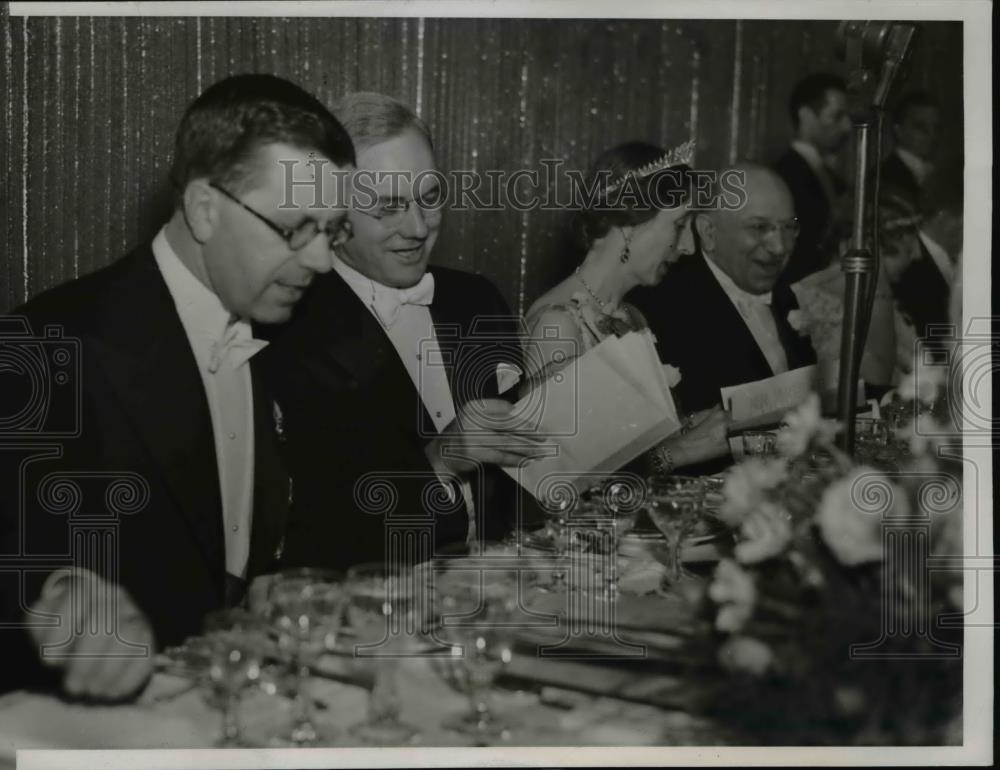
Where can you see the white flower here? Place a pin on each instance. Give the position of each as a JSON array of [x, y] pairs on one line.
[[767, 532], [797, 320], [850, 515], [744, 653], [923, 384], [734, 590], [673, 375], [802, 427], [747, 484]]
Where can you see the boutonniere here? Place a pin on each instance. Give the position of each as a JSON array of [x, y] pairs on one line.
[[279, 420]]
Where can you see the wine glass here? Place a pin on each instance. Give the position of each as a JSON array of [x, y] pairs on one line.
[[759, 443], [611, 514], [306, 607], [382, 612], [673, 504], [233, 646], [474, 612], [559, 533]]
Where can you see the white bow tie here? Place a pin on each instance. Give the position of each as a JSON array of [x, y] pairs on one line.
[[237, 344], [388, 301]]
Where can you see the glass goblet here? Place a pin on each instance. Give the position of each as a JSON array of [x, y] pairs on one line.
[[306, 607], [673, 504], [607, 521], [383, 614], [559, 532], [475, 623], [234, 645], [759, 443]]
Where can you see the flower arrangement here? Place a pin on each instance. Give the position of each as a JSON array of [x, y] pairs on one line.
[[814, 611]]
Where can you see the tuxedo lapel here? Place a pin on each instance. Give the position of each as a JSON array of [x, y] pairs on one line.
[[798, 349], [352, 341], [272, 487], [449, 331], [149, 364], [731, 330]]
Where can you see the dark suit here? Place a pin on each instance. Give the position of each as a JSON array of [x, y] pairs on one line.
[[898, 180], [144, 414], [923, 294], [354, 419], [815, 244], [699, 331]]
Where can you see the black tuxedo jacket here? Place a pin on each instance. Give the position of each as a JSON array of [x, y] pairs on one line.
[[813, 249], [356, 427], [898, 179], [143, 415], [923, 294], [699, 331]]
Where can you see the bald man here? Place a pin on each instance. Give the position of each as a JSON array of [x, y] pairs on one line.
[[714, 316]]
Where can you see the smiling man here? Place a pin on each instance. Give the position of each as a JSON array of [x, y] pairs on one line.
[[719, 316], [171, 399], [388, 375]]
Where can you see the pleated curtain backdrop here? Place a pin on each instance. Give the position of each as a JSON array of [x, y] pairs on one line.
[[92, 105]]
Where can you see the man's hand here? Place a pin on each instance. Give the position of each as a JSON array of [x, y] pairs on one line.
[[98, 663], [705, 438], [483, 431]]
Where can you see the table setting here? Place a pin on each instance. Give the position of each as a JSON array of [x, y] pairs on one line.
[[668, 610]]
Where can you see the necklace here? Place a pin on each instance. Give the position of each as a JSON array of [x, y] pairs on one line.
[[601, 303]]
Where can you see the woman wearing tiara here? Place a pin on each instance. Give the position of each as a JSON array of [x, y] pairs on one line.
[[631, 233]]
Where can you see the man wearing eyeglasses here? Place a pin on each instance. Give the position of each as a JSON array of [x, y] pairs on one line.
[[171, 398], [720, 317], [389, 374]]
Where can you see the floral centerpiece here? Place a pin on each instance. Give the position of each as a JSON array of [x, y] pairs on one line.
[[826, 617]]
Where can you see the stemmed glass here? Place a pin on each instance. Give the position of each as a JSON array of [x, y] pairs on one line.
[[306, 607], [673, 504], [559, 532], [234, 646], [383, 613], [612, 516], [475, 621]]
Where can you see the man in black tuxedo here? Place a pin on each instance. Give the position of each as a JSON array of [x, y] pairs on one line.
[[919, 269], [818, 110], [388, 374], [719, 316], [915, 127], [172, 407]]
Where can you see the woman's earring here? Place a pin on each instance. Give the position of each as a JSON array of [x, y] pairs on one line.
[[626, 253]]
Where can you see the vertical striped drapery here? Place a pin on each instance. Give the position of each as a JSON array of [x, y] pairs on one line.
[[91, 105]]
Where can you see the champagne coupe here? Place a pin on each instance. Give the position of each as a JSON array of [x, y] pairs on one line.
[[306, 607], [383, 614], [673, 504], [475, 620], [234, 646]]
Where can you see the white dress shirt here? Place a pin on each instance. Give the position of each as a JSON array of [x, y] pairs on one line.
[[411, 331], [755, 309], [222, 347]]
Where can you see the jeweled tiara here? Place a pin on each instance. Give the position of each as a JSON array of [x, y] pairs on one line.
[[681, 155]]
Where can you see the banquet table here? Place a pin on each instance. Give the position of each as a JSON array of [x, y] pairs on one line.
[[555, 702]]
